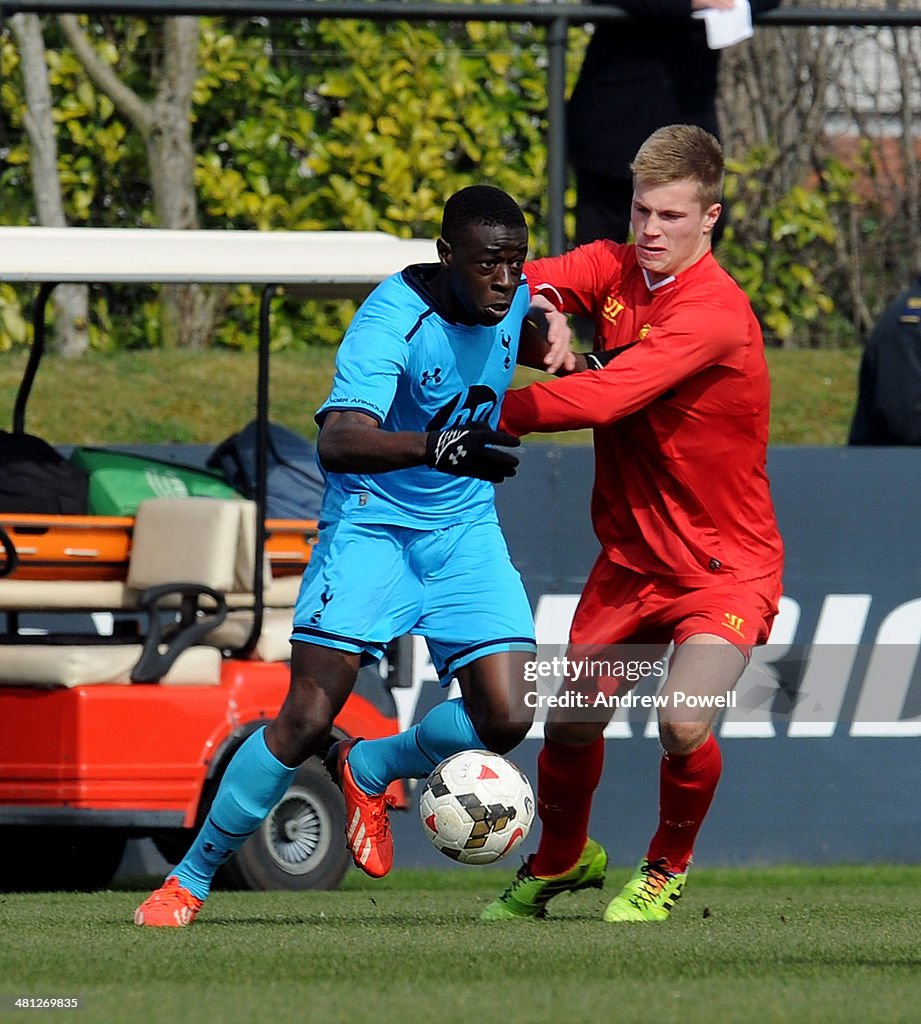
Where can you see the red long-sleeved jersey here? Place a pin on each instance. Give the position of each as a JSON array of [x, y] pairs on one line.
[[680, 416]]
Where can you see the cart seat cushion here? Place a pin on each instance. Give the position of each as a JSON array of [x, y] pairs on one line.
[[186, 540], [64, 595], [280, 593], [86, 664], [274, 643]]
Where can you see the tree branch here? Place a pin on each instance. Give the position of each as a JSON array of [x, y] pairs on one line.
[[128, 101]]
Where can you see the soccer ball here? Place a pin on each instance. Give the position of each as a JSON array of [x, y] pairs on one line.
[[476, 807]]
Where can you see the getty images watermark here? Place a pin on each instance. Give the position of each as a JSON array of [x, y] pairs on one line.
[[577, 676], [799, 690], [593, 682]]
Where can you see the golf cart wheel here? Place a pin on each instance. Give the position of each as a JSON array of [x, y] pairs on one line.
[[301, 844]]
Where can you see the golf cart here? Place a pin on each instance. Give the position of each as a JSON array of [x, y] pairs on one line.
[[123, 729]]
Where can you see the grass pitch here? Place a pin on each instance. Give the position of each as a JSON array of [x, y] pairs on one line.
[[201, 397], [795, 945]]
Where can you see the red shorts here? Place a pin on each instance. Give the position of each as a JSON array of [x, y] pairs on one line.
[[619, 606]]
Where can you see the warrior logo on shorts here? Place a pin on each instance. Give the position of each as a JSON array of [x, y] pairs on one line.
[[473, 405], [734, 622]]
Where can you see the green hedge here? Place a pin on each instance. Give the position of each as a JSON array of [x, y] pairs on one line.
[[357, 125]]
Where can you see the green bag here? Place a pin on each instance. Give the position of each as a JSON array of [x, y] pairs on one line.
[[119, 481]]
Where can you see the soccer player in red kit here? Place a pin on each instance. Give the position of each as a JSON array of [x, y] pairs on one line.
[[677, 394]]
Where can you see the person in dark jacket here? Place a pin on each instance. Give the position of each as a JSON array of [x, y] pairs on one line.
[[638, 75], [889, 392]]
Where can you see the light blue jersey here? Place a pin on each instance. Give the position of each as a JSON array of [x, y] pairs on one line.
[[410, 369], [408, 551]]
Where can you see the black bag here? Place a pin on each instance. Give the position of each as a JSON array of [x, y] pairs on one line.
[[35, 478], [294, 483]]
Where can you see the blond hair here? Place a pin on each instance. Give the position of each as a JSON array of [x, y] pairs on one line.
[[681, 152]]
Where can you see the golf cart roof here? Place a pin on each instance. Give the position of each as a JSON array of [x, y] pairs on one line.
[[329, 264]]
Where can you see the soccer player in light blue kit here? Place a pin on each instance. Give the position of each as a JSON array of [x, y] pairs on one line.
[[409, 541]]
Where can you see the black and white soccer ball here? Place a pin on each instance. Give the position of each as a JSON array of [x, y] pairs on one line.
[[476, 807]]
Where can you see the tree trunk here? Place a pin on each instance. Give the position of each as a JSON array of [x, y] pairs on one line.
[[70, 337], [187, 310], [165, 123]]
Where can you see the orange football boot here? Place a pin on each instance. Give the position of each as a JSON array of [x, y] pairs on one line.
[[367, 824], [170, 906]]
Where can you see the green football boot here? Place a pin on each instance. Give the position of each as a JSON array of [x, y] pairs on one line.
[[650, 895], [528, 895]]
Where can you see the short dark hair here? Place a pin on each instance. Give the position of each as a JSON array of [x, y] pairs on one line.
[[479, 204]]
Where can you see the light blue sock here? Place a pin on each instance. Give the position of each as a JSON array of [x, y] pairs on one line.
[[254, 782], [445, 730]]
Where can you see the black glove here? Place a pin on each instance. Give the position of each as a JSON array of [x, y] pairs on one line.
[[470, 451]]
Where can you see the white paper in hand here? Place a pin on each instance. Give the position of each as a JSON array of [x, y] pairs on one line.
[[726, 28]]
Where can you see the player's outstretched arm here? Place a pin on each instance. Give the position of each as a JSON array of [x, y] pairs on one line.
[[353, 442]]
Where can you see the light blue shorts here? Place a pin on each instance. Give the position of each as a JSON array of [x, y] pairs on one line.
[[366, 584]]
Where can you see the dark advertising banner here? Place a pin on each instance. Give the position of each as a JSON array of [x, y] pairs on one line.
[[822, 737]]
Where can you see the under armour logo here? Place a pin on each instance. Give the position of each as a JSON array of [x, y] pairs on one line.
[[433, 377], [455, 456], [445, 440]]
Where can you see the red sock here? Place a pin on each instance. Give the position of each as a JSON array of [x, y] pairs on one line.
[[567, 777], [686, 787]]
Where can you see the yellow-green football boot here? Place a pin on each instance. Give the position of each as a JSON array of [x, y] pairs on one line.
[[650, 895], [528, 895]]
